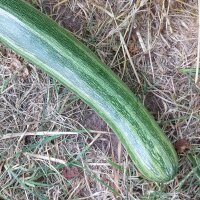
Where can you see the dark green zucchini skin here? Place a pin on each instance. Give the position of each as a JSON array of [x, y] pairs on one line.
[[53, 49]]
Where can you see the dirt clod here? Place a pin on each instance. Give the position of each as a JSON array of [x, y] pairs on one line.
[[182, 145], [70, 173]]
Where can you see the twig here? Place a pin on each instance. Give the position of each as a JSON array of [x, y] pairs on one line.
[[47, 133], [198, 50]]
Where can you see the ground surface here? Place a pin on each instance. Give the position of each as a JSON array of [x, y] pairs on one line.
[[152, 46]]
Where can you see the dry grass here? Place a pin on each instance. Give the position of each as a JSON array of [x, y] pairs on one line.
[[153, 46]]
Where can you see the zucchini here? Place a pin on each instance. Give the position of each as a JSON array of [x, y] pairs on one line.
[[56, 51]]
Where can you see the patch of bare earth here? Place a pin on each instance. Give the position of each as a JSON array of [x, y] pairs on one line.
[[152, 46]]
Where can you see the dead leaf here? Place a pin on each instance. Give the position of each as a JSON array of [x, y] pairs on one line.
[[182, 145], [40, 179], [24, 74], [15, 64], [70, 173], [132, 47]]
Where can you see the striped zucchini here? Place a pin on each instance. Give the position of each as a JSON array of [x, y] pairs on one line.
[[51, 48]]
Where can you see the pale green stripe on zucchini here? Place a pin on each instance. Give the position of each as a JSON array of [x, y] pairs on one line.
[[51, 48]]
